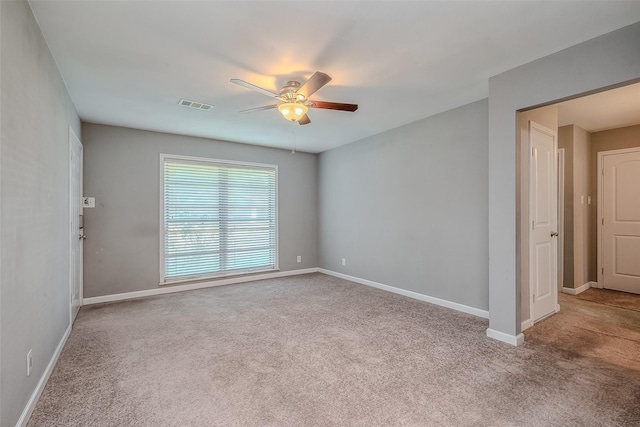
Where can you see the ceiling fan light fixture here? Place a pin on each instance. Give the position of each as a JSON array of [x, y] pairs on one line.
[[293, 111]]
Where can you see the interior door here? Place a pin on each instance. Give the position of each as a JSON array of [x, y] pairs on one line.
[[621, 221], [76, 227], [544, 218]]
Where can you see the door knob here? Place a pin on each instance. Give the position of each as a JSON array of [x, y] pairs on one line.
[[82, 237], [554, 234]]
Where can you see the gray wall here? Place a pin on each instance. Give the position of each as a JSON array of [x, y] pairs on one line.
[[408, 207], [36, 114], [606, 61], [121, 170]]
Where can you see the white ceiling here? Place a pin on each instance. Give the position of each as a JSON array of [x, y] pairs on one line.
[[128, 63], [605, 110]]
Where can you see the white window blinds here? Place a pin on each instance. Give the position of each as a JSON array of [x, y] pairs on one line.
[[219, 218]]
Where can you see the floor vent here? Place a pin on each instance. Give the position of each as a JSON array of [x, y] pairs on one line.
[[196, 105]]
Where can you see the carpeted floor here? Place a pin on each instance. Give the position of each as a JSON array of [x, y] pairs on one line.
[[624, 300], [314, 350]]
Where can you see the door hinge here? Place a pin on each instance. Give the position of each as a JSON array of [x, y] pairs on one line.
[[533, 151], [534, 298], [602, 271], [602, 171], [533, 225], [602, 221]]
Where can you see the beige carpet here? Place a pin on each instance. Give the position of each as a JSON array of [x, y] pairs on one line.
[[599, 331], [624, 300], [315, 350]]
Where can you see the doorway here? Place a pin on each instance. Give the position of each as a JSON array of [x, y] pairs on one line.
[[588, 127], [619, 220], [609, 61]]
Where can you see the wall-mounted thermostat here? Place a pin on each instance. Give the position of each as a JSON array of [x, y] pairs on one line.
[[88, 202]]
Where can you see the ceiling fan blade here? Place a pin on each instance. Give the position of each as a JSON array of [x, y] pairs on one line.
[[305, 120], [254, 87], [333, 106], [314, 83], [266, 107]]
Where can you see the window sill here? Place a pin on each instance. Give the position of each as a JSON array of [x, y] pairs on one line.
[[216, 277]]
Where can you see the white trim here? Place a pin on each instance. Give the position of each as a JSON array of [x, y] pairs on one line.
[[579, 289], [201, 285], [33, 400], [73, 138], [509, 339], [526, 324], [208, 160], [191, 279], [599, 218], [193, 286], [433, 300], [560, 222]]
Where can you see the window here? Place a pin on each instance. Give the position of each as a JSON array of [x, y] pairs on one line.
[[218, 218]]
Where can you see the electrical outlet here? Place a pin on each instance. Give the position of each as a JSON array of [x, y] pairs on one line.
[[29, 362], [299, 259], [344, 261]]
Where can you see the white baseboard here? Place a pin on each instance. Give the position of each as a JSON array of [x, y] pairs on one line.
[[433, 300], [33, 400], [509, 339], [579, 289], [193, 286], [201, 285]]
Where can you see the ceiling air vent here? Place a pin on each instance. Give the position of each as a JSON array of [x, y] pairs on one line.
[[196, 105]]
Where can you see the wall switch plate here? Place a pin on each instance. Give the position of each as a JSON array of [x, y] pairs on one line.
[[582, 200], [29, 362], [299, 259], [344, 261], [88, 202]]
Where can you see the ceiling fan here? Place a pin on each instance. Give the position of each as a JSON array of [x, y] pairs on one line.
[[294, 98]]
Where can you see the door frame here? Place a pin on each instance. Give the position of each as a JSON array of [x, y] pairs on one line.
[[73, 138], [544, 129], [560, 224], [600, 172]]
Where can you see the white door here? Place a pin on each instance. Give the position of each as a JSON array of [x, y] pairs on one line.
[[76, 233], [543, 261], [621, 221]]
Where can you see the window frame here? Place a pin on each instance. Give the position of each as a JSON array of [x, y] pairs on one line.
[[183, 279]]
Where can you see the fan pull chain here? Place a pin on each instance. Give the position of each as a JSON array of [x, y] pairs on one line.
[[293, 137]]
